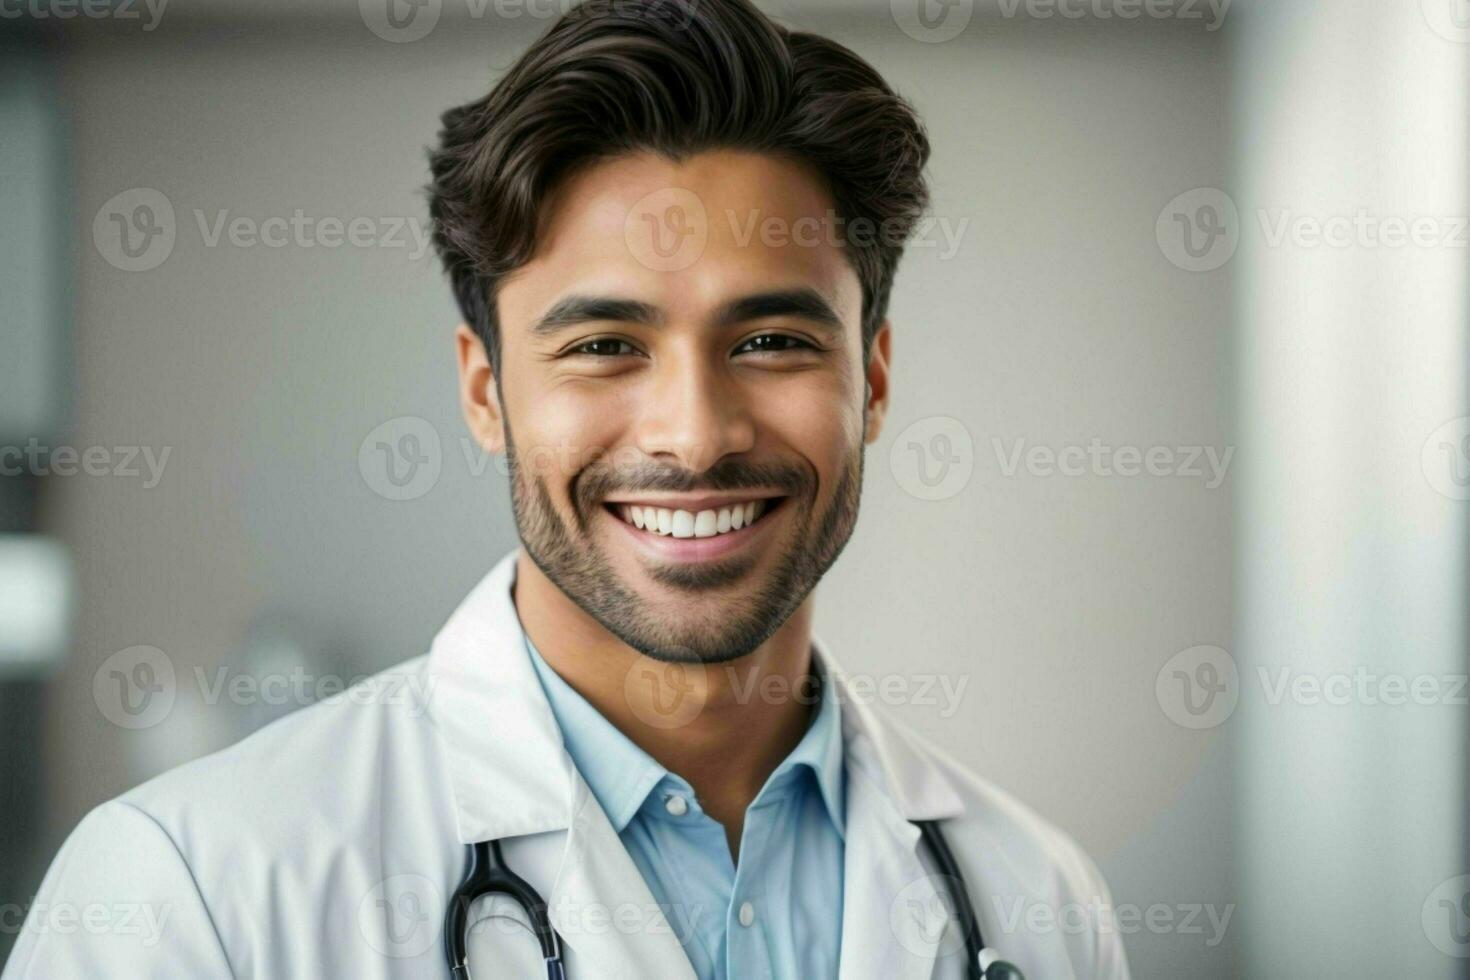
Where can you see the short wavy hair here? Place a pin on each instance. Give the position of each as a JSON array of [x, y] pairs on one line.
[[674, 77]]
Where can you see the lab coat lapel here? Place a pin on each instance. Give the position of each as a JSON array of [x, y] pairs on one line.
[[894, 919], [603, 908], [512, 777], [889, 901]]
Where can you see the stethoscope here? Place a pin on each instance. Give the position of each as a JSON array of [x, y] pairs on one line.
[[488, 874]]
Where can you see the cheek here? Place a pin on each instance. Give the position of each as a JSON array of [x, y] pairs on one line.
[[559, 431], [822, 423]]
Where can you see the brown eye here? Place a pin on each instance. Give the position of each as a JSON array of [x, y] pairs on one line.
[[604, 347], [771, 343]]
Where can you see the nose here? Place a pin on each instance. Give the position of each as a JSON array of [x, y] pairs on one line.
[[694, 414]]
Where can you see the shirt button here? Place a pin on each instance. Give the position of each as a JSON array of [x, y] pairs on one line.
[[747, 913], [676, 805]]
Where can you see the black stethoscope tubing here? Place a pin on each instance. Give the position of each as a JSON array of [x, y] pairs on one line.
[[488, 874]]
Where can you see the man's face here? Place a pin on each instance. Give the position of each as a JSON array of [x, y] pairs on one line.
[[684, 352]]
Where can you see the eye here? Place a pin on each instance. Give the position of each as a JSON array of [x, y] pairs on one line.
[[604, 347], [773, 343]]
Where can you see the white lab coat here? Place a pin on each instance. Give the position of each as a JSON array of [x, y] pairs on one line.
[[327, 845]]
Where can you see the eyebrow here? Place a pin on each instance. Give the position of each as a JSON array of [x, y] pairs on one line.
[[801, 302]]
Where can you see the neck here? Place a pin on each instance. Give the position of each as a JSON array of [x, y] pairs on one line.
[[723, 727]]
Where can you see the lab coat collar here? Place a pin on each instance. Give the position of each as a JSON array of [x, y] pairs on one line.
[[509, 770]]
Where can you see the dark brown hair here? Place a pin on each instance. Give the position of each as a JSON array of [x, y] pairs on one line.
[[674, 77]]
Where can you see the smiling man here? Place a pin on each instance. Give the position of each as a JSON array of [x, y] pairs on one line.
[[672, 229]]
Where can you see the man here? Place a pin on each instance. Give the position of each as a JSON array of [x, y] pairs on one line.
[[672, 229]]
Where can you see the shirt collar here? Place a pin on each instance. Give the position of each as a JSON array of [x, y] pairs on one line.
[[483, 695], [621, 775]]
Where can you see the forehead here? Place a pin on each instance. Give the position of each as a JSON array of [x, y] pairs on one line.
[[686, 236]]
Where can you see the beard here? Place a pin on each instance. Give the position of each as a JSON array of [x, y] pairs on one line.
[[669, 630]]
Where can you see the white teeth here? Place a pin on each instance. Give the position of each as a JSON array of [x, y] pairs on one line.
[[686, 524]]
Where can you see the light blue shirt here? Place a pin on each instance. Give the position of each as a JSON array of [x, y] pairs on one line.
[[779, 913]]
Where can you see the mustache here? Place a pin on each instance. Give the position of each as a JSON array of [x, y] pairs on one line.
[[599, 481]]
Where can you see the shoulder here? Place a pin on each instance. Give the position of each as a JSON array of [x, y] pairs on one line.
[[299, 766], [1038, 895], [313, 810]]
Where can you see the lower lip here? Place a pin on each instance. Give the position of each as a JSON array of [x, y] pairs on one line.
[[666, 547]]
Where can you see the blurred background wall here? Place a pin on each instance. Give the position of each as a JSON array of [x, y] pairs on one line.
[[1074, 296]]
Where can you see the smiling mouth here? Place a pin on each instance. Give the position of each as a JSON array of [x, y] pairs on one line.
[[672, 522]]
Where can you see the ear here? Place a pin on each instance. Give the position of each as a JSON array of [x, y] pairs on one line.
[[879, 359], [479, 398]]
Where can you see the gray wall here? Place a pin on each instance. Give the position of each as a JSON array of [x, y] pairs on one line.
[[1056, 600]]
